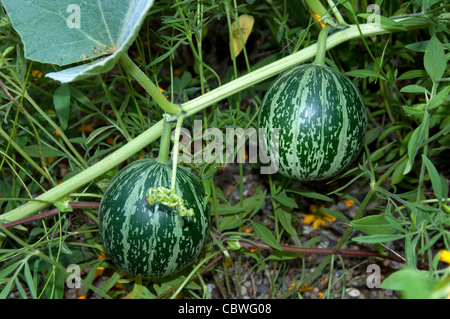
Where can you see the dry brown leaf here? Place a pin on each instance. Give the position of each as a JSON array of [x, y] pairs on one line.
[[246, 24]]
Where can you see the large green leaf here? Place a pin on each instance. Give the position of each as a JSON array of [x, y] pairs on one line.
[[414, 284], [64, 32], [434, 59]]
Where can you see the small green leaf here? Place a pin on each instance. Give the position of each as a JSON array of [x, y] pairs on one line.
[[5, 292], [47, 151], [388, 131], [372, 135], [283, 255], [285, 219], [374, 225], [436, 181], [249, 204], [434, 59], [179, 84], [365, 74], [285, 200], [414, 21], [375, 239], [63, 204], [410, 251], [414, 89], [336, 214], [379, 153], [61, 101], [439, 98], [65, 249], [265, 235], [414, 143], [397, 174], [234, 243], [417, 46], [412, 74], [29, 280], [416, 111], [112, 280]]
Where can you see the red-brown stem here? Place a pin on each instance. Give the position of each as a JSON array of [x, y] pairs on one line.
[[324, 251], [75, 205]]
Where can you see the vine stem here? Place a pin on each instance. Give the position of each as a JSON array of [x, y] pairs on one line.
[[336, 13], [192, 107], [148, 85]]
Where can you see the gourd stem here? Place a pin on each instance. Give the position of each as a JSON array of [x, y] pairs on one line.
[[322, 46], [175, 150], [164, 146], [149, 86]]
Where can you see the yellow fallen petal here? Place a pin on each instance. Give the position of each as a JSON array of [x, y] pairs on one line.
[[308, 218], [445, 256], [99, 271], [86, 128], [319, 223], [349, 203], [246, 23], [305, 287], [101, 255]]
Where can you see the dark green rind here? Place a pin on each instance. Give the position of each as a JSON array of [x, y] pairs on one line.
[[321, 119], [152, 241]]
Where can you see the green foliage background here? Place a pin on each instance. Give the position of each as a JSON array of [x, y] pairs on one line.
[[50, 131]]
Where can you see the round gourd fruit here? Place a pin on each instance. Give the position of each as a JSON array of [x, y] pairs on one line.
[[321, 121], [152, 240]]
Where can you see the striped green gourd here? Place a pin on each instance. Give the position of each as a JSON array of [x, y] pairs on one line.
[[321, 121], [152, 240]]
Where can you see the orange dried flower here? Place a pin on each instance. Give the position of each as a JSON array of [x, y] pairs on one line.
[[317, 17], [349, 203]]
